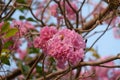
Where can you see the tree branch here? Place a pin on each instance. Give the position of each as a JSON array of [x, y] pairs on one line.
[[18, 71], [97, 63]]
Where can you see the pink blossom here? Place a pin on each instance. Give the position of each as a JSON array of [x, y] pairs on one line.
[[36, 42], [22, 53], [100, 6], [53, 9], [16, 44], [39, 10], [116, 31], [116, 28], [28, 25], [115, 75], [45, 34], [114, 22], [69, 12], [102, 73], [21, 77], [66, 45], [13, 40], [23, 26], [1, 24], [30, 42]]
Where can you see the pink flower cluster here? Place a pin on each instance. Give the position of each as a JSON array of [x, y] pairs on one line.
[[23, 29], [64, 45], [12, 39], [102, 73], [1, 24], [22, 26], [22, 53], [116, 27], [69, 12]]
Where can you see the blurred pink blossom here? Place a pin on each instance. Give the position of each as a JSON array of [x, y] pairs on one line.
[[22, 26], [40, 7], [16, 42], [21, 77], [39, 10], [115, 75], [1, 24], [53, 10], [69, 12], [116, 27], [99, 7], [115, 21], [22, 53], [116, 31], [102, 73]]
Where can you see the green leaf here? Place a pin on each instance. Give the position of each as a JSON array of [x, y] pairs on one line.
[[33, 50], [53, 63], [95, 53], [21, 17], [21, 1], [30, 19], [119, 25], [52, 59], [21, 9], [5, 50], [39, 69], [5, 60], [25, 69], [7, 44], [9, 19], [5, 27], [11, 32]]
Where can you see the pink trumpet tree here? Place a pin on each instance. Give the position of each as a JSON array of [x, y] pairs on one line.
[[54, 39]]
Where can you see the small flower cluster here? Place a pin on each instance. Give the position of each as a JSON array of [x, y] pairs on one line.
[[64, 45], [23, 27], [54, 9], [104, 72], [15, 41]]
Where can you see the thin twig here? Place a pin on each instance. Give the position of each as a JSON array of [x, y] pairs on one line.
[[100, 36], [34, 65], [97, 63], [43, 24], [5, 7]]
